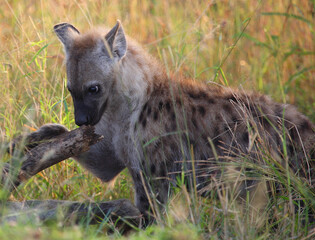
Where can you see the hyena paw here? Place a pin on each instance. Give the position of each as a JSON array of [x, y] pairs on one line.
[[47, 131], [44, 133]]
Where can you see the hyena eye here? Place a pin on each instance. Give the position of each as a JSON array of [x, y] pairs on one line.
[[93, 89]]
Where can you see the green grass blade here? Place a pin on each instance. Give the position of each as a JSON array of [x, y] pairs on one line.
[[287, 15]]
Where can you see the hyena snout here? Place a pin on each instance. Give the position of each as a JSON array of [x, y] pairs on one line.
[[82, 119], [86, 116], [86, 112], [83, 115]]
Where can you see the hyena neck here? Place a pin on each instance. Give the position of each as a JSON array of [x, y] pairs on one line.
[[137, 74]]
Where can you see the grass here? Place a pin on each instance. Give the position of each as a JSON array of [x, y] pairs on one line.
[[265, 46]]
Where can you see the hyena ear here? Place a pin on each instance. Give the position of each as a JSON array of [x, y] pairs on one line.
[[66, 32], [116, 40]]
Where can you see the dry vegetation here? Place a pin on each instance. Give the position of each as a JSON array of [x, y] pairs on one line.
[[265, 46]]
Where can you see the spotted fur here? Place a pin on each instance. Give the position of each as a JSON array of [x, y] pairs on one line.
[[158, 126]]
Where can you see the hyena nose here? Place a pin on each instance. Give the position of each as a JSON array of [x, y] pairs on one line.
[[82, 120]]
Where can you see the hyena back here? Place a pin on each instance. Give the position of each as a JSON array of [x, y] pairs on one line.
[[161, 126]]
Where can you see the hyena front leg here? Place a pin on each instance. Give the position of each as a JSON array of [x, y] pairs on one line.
[[50, 145], [62, 144], [151, 194], [121, 213], [20, 146], [44, 133]]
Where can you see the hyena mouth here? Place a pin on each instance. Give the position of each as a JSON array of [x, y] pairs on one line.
[[89, 115], [86, 119], [95, 119], [88, 122]]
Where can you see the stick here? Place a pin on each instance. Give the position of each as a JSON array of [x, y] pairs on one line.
[[46, 154]]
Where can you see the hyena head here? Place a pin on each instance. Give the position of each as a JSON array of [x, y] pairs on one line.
[[91, 62]]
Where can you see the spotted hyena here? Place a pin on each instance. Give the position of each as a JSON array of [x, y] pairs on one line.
[[162, 126]]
